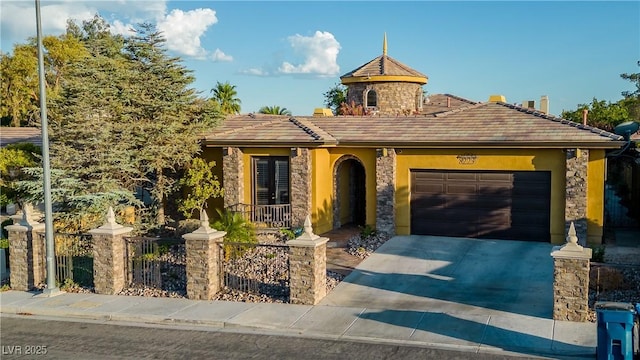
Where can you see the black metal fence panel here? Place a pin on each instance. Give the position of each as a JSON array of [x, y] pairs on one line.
[[74, 258], [142, 264], [261, 269]]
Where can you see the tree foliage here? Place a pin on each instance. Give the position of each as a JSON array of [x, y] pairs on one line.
[[201, 185], [601, 114], [335, 97], [13, 158], [225, 95], [605, 114], [274, 110]]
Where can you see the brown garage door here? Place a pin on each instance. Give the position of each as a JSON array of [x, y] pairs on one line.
[[498, 205]]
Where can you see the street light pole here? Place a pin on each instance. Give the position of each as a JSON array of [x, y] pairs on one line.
[[51, 289]]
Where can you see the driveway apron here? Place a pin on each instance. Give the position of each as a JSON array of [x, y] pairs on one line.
[[452, 275]]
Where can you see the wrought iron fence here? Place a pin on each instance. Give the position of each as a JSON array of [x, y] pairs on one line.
[[74, 258], [142, 264], [265, 216], [261, 269]]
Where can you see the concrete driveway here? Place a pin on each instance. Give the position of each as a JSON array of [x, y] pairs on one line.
[[452, 275]]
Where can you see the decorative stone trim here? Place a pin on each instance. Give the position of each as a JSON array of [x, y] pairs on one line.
[[108, 255], [233, 176], [203, 268], [300, 168], [385, 191], [571, 279], [307, 267], [576, 191], [27, 259], [393, 98]]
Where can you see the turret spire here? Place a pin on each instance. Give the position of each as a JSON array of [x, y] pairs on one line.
[[384, 45]]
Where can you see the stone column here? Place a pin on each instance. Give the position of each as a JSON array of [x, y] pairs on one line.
[[571, 279], [385, 191], [203, 267], [300, 185], [26, 253], [576, 192], [307, 267], [108, 256], [232, 176]]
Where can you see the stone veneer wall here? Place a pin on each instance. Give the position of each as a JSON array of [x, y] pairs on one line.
[[393, 98], [233, 176], [203, 273], [576, 191], [571, 289], [108, 263], [385, 191], [300, 168], [308, 273]]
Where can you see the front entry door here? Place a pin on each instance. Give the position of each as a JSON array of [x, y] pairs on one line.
[[271, 180]]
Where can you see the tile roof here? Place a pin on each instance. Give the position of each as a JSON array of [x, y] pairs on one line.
[[438, 103], [479, 124], [12, 135], [384, 65]]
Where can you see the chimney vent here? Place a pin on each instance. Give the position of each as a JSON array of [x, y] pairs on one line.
[[544, 104]]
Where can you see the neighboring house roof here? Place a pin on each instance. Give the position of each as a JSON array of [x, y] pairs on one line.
[[12, 135], [438, 103], [475, 125]]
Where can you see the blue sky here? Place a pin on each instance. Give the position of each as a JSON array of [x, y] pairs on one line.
[[290, 53]]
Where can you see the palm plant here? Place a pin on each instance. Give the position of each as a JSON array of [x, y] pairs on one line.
[[225, 95], [274, 110]]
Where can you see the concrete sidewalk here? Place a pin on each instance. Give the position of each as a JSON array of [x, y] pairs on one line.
[[494, 333]]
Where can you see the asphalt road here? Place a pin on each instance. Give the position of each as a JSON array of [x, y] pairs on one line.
[[31, 338]]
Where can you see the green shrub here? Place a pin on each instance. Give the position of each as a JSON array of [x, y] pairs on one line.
[[238, 230], [598, 254], [4, 243], [367, 231], [288, 234]]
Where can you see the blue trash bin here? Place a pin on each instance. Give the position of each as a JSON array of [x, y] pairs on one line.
[[615, 330]]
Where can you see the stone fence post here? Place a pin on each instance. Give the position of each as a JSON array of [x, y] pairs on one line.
[[26, 253], [571, 280], [108, 255], [203, 268], [308, 267]]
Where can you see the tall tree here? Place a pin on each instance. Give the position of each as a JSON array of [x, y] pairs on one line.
[[274, 110], [601, 114], [225, 95], [632, 98], [19, 76], [129, 119], [335, 97]]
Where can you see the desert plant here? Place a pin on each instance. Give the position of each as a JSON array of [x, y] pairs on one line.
[[367, 231], [238, 230]]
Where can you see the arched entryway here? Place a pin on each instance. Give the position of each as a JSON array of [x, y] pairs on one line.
[[349, 205]]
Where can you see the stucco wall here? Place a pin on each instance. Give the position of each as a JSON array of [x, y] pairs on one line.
[[596, 175]]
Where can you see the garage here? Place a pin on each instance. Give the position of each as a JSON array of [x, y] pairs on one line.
[[513, 205]]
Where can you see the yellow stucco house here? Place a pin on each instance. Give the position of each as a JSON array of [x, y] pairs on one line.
[[437, 165]]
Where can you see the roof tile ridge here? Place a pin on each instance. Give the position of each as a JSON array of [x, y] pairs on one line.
[[312, 129], [564, 121], [460, 109], [405, 67], [461, 99]]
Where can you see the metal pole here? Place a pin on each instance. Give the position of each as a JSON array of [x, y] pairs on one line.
[[51, 289]]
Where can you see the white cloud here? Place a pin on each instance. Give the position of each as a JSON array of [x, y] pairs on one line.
[[184, 29], [255, 72], [118, 27], [220, 56], [320, 54]]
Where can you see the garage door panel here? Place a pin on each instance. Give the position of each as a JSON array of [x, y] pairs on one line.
[[489, 204]]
